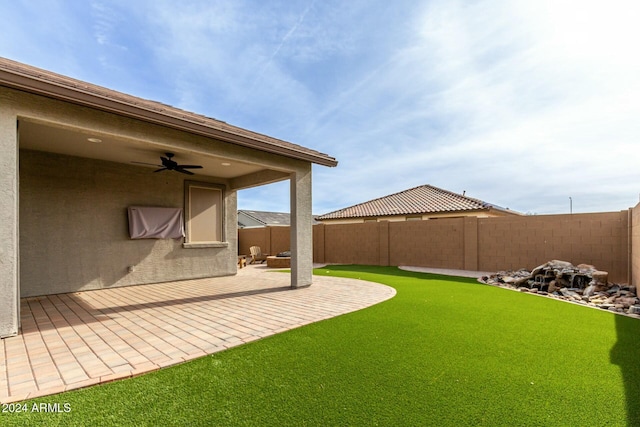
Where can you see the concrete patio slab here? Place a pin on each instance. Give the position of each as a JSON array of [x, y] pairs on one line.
[[70, 341]]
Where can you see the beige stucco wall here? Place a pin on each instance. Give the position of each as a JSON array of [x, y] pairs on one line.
[[9, 292], [74, 227], [301, 235]]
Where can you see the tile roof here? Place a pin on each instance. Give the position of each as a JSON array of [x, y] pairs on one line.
[[423, 199], [42, 82], [267, 218]]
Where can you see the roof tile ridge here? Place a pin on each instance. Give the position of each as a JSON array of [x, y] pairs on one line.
[[464, 197], [388, 196]]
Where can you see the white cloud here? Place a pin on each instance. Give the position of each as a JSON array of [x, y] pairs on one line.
[[528, 101], [520, 103]]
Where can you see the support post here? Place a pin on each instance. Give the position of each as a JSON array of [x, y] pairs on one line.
[[9, 232], [301, 228]]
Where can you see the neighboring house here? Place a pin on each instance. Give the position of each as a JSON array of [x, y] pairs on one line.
[[248, 219], [75, 157], [418, 203]]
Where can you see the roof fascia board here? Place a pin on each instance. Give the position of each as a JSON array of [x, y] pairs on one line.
[[81, 97]]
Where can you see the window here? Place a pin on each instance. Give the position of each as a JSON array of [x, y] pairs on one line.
[[204, 215]]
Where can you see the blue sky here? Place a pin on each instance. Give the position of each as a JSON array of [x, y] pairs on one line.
[[523, 104]]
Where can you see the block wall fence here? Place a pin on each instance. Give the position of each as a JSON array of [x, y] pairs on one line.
[[606, 240]]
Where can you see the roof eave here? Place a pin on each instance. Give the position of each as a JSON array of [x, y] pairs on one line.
[[382, 215], [16, 80]]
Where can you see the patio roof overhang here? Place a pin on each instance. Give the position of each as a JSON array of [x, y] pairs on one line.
[[18, 76]]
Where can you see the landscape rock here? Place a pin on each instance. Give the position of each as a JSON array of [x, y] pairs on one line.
[[600, 277], [589, 290], [628, 301], [582, 284]]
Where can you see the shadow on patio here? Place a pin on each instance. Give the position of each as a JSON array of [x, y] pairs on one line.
[[54, 311]]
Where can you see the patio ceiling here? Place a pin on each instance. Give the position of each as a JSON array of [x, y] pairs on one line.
[[76, 142]]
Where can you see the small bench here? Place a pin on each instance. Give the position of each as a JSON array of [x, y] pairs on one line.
[[279, 261]]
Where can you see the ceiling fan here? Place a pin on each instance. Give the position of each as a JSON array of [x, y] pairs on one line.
[[169, 164]]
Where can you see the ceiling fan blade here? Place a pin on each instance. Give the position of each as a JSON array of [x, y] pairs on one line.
[[169, 164], [148, 164], [179, 169]]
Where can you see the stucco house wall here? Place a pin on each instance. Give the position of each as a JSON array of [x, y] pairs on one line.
[[74, 228], [60, 197]]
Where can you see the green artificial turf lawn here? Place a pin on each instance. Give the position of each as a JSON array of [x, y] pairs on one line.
[[443, 351]]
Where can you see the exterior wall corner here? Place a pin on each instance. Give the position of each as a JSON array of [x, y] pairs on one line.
[[9, 217]]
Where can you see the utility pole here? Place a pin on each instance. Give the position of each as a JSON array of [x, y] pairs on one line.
[[570, 205]]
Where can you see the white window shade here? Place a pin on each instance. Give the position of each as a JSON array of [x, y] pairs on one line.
[[155, 223]]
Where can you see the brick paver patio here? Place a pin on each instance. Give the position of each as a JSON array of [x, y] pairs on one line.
[[75, 340]]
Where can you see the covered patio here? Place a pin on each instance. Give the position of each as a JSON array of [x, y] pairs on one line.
[[79, 339], [90, 176]]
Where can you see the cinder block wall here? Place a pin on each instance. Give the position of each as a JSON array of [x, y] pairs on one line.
[[600, 239], [248, 237], [484, 244], [352, 244], [434, 243], [318, 243], [271, 240], [635, 245], [280, 240]]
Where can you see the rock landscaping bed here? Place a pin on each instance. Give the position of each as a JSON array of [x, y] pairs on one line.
[[582, 284]]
